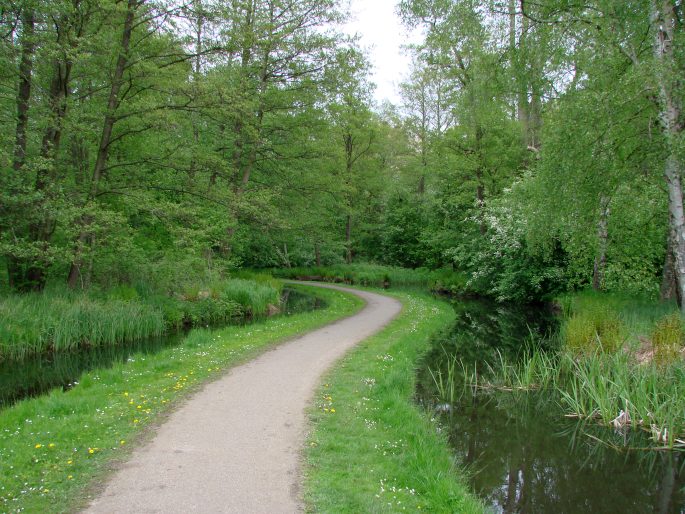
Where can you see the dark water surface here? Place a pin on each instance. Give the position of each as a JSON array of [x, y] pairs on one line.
[[521, 454], [38, 374]]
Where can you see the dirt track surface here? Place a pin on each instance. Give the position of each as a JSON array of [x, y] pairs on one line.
[[235, 446]]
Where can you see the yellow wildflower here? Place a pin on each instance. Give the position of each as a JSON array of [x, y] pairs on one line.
[[39, 445]]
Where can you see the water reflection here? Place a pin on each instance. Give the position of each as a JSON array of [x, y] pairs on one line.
[[522, 454], [40, 373]]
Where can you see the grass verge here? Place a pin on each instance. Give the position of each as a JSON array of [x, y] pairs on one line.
[[55, 448], [371, 449]]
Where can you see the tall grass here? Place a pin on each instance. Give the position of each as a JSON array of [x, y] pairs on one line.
[[63, 320], [609, 388], [37, 323]]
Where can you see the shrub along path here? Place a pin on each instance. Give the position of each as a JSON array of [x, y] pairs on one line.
[[235, 446]]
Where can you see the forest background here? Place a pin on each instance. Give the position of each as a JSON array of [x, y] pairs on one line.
[[538, 148]]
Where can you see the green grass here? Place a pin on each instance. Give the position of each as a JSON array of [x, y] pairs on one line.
[[371, 448], [63, 320], [614, 318], [36, 323], [54, 448], [375, 275]]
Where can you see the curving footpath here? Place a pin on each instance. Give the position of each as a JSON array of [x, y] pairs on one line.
[[235, 446]]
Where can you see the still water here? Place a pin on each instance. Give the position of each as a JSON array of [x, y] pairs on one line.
[[520, 453], [40, 373]]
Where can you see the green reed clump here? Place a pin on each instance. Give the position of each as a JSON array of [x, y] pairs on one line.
[[667, 339], [651, 397], [37, 323], [594, 327], [65, 320], [253, 297]]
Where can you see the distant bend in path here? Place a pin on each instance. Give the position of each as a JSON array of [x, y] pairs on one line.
[[235, 446]]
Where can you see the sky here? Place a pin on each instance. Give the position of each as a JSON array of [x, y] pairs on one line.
[[382, 35]]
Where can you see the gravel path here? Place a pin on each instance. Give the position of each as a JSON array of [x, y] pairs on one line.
[[235, 446]]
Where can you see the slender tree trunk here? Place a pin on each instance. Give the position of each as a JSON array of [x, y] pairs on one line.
[[41, 230], [512, 52], [603, 243], [523, 107], [105, 139], [667, 75], [199, 26], [317, 254], [15, 269], [28, 47], [669, 287], [348, 239], [286, 256]]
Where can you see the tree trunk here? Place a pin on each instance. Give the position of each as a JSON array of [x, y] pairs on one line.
[[317, 254], [672, 174], [199, 25], [105, 139], [24, 90], [603, 243], [512, 52], [41, 230], [669, 286], [286, 257], [667, 76], [348, 240], [15, 267]]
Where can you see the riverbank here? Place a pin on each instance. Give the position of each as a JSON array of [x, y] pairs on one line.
[[63, 320], [616, 360], [55, 449], [371, 449]]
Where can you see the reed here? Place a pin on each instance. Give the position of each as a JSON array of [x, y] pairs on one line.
[[47, 322], [667, 339], [63, 320], [597, 386]]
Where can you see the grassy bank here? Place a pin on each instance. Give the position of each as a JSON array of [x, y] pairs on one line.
[[54, 448], [619, 363], [371, 449], [442, 280], [59, 320]]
